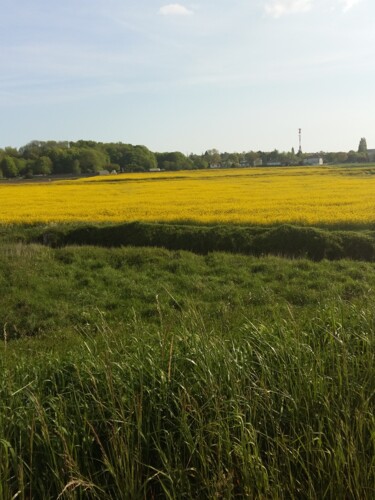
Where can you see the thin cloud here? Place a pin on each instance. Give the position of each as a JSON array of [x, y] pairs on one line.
[[175, 9], [278, 8], [349, 4]]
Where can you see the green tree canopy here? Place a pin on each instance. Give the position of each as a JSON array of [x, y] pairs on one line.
[[129, 157], [198, 161], [92, 160], [173, 161], [9, 167], [362, 148], [42, 166]]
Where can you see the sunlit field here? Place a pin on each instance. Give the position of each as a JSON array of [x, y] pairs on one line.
[[189, 360], [324, 195]]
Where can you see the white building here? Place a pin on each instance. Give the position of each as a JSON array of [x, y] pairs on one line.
[[313, 161]]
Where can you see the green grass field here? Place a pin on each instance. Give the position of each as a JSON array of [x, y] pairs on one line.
[[135, 372]]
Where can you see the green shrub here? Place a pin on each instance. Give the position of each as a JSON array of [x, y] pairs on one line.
[[285, 240]]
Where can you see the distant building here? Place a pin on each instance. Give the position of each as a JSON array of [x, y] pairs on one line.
[[313, 161], [258, 162], [244, 163], [103, 172], [371, 154], [273, 164]]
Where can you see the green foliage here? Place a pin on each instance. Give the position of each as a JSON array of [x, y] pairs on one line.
[[145, 373], [198, 161], [43, 166], [92, 160], [32, 150], [201, 418], [173, 161], [285, 240], [9, 167], [130, 158], [93, 156], [362, 148], [75, 167]]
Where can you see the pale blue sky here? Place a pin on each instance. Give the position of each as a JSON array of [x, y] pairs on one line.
[[189, 75]]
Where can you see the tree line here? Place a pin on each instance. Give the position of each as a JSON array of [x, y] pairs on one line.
[[90, 157]]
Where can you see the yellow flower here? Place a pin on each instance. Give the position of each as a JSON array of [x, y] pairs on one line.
[[306, 195]]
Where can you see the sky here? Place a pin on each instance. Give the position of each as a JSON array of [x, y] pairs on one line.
[[235, 75]]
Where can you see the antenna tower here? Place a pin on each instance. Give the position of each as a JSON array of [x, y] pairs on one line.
[[300, 140]]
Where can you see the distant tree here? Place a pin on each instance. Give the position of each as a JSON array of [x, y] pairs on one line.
[[173, 161], [42, 166], [341, 157], [213, 157], [85, 144], [117, 153], [289, 158], [22, 165], [233, 160], [362, 157], [114, 167], [362, 148], [355, 157], [274, 156], [251, 157], [31, 151], [65, 160], [92, 160], [75, 167], [142, 157], [9, 167], [198, 161], [9, 151]]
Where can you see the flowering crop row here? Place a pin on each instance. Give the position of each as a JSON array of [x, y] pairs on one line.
[[255, 196]]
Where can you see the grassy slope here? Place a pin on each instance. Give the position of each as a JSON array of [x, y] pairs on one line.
[[48, 290], [140, 372]]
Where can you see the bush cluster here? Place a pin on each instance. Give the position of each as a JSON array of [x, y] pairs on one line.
[[285, 240]]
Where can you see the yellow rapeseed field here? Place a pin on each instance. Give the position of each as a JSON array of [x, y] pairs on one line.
[[323, 195]]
